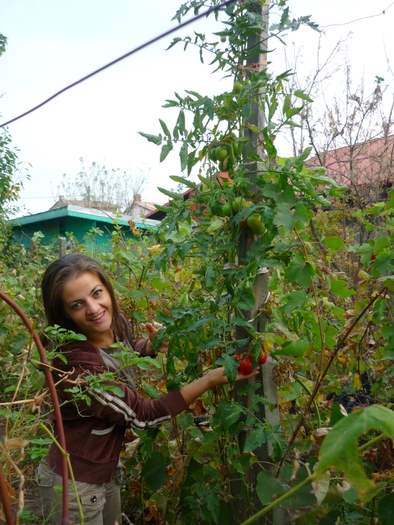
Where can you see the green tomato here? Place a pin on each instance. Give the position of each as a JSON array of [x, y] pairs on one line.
[[212, 154], [240, 202], [235, 147], [237, 87], [221, 153], [226, 210], [254, 221]]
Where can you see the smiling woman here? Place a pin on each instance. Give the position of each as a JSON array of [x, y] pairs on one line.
[[78, 296], [88, 304]]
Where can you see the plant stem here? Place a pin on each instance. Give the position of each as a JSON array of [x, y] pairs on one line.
[[279, 500], [70, 470]]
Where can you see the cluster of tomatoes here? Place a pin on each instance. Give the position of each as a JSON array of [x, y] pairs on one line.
[[245, 363], [225, 154]]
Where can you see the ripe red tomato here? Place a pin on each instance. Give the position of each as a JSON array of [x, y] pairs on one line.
[[245, 367], [238, 357], [263, 358]]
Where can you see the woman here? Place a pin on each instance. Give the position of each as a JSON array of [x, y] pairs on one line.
[[78, 296]]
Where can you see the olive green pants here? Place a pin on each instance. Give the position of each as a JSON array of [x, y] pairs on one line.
[[100, 503]]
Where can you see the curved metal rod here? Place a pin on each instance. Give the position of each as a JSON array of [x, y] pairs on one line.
[[56, 407], [5, 499]]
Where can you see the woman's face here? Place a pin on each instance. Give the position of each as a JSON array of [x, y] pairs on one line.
[[87, 302]]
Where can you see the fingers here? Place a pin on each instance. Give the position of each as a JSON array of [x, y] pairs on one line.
[[241, 377]]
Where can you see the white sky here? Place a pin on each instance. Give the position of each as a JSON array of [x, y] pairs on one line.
[[52, 43]]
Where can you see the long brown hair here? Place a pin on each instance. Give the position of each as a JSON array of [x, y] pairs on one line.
[[55, 278]]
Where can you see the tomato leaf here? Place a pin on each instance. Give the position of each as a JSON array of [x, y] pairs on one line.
[[255, 439], [184, 181], [165, 128], [165, 150], [156, 139], [170, 194]]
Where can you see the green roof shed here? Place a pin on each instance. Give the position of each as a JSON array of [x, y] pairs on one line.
[[76, 220]]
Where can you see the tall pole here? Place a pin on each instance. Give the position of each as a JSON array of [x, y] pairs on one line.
[[257, 61]]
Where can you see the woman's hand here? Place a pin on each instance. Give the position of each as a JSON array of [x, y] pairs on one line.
[[152, 331], [210, 380], [217, 377]]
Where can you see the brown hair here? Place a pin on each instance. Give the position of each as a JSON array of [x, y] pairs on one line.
[[55, 278]]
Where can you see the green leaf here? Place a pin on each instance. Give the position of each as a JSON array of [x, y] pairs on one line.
[[340, 447], [284, 217], [302, 95], [255, 439], [293, 111], [215, 225], [385, 508], [200, 322], [183, 155], [116, 390], [156, 139], [165, 150], [213, 503], [154, 471], [185, 421], [299, 271], [339, 288], [269, 487], [162, 208], [388, 282], [170, 194], [335, 243], [180, 123], [151, 391], [294, 348], [269, 144], [279, 445], [302, 214], [286, 105], [294, 301], [183, 180], [165, 128], [137, 294], [383, 263], [336, 414]]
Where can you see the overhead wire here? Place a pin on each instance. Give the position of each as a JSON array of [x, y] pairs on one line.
[[126, 55], [359, 19], [147, 44]]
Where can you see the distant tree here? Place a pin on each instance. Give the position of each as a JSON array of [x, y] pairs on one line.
[[10, 173], [104, 188], [350, 131]]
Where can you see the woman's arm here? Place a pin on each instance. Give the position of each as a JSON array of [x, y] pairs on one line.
[[210, 380]]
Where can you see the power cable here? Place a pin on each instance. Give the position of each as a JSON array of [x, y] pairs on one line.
[[132, 52], [359, 19]]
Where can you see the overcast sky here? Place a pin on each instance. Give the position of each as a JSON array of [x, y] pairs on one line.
[[52, 43]]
